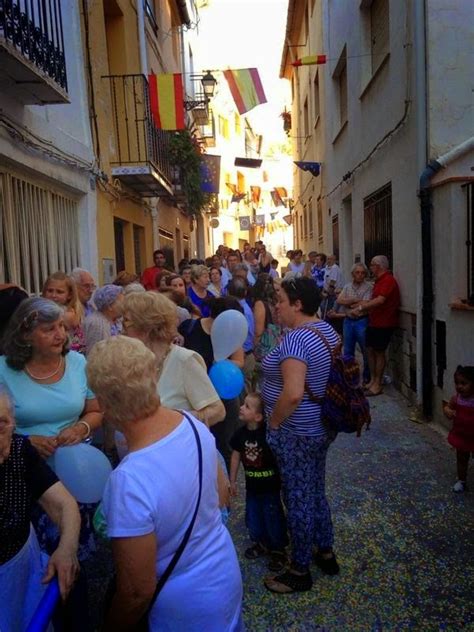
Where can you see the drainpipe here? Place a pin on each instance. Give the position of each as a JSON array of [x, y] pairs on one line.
[[142, 37], [426, 176]]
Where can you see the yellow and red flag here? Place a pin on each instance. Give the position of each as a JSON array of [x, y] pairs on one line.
[[167, 101], [310, 60], [246, 88]]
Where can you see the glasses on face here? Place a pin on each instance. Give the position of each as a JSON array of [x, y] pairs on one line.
[[88, 286]]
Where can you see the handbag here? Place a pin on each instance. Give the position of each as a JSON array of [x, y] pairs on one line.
[[142, 625]]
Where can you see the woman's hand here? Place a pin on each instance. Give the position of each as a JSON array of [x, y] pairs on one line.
[[63, 563], [449, 412], [72, 435], [46, 446]]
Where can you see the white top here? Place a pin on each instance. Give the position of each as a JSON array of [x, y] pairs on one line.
[[334, 273], [184, 383], [154, 490]]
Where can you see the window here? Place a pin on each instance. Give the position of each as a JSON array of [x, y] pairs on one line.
[[311, 227], [305, 119], [470, 241], [378, 224], [138, 247], [223, 126], [320, 222], [335, 236], [379, 32], [39, 233], [316, 98], [238, 128], [119, 238], [305, 222], [340, 79], [167, 245], [301, 228]]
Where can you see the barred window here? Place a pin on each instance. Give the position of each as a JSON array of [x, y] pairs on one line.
[[39, 232], [378, 224]]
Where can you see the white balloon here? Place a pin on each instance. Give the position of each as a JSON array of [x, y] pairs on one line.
[[228, 333]]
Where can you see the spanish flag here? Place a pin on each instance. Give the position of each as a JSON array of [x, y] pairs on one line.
[[166, 101], [246, 88], [310, 60]]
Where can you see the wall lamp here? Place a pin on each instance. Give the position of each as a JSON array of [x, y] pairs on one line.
[[208, 85]]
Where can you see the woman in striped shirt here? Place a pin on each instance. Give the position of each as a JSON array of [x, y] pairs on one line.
[[296, 433]]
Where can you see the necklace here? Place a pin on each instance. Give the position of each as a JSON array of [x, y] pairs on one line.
[[46, 377]]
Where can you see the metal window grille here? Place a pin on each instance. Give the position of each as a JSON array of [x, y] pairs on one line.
[[470, 240], [305, 222], [311, 220], [378, 224], [138, 242], [320, 222], [39, 232]]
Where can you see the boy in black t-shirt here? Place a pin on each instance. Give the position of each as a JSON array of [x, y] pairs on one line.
[[264, 515]]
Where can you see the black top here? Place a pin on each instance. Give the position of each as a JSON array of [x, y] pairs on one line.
[[196, 339], [24, 477], [261, 473]]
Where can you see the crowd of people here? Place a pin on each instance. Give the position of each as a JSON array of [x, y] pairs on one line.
[[128, 363]]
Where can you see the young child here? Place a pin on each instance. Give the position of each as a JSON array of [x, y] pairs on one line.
[[460, 410], [61, 289], [263, 509], [274, 269]]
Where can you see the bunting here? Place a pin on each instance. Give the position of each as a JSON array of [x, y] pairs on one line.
[[246, 88], [244, 222], [166, 101], [310, 60], [313, 167], [237, 197], [210, 173], [255, 193], [260, 220], [276, 197]]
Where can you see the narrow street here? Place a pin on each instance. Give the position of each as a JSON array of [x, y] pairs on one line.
[[403, 538]]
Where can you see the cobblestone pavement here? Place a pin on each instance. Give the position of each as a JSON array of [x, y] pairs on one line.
[[404, 540]]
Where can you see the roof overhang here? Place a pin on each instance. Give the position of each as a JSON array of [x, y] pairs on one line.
[[294, 20]]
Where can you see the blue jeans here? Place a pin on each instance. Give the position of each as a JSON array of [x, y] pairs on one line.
[[353, 333], [265, 520]]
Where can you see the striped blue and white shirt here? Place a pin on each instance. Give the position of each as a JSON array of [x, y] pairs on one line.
[[300, 344]]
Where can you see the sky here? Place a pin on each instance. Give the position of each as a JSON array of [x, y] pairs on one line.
[[248, 34]]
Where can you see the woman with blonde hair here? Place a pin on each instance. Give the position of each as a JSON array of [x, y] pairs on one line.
[[172, 456], [61, 288], [183, 382], [198, 292]]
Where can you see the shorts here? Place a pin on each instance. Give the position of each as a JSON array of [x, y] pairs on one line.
[[378, 338]]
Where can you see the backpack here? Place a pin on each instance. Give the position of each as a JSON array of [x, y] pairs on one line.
[[344, 407], [270, 338]]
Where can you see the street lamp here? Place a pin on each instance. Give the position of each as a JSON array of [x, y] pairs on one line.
[[208, 85]]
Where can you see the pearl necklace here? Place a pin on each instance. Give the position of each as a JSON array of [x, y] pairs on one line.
[[46, 377]]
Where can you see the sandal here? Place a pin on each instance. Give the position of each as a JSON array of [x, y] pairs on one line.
[[277, 562], [255, 551], [328, 565], [289, 582]]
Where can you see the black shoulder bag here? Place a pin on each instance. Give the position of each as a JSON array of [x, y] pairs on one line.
[[142, 625]]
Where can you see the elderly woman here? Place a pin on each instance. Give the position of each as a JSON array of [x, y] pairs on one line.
[[299, 366], [183, 382], [355, 323], [198, 292], [104, 322], [25, 479], [53, 404], [215, 285], [146, 523]]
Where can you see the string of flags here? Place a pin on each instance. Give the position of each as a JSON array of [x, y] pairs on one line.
[[313, 167]]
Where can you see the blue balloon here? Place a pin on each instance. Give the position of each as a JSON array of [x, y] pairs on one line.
[[84, 470], [227, 378], [44, 611]]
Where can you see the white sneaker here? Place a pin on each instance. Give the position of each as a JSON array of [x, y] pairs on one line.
[[459, 486]]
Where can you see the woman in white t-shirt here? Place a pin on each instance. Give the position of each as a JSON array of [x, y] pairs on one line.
[[183, 382], [150, 499]]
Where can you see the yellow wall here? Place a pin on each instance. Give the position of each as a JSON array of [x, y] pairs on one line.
[[114, 50]]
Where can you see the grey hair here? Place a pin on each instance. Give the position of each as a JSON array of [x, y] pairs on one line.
[[381, 260], [77, 273], [240, 266], [359, 265], [106, 296], [197, 271], [133, 287], [28, 315]]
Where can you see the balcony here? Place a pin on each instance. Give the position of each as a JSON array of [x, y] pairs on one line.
[[140, 158], [32, 61]]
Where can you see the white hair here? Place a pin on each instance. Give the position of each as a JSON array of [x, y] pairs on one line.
[[77, 273], [381, 260]]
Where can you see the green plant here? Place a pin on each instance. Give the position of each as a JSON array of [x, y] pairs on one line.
[[185, 154]]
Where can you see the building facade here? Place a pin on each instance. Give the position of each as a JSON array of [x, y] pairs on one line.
[[47, 167], [392, 96]]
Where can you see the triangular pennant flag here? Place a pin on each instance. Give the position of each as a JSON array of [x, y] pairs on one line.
[[313, 167], [166, 101], [246, 88]]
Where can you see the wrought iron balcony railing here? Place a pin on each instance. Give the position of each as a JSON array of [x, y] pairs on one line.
[[141, 151], [32, 48]]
